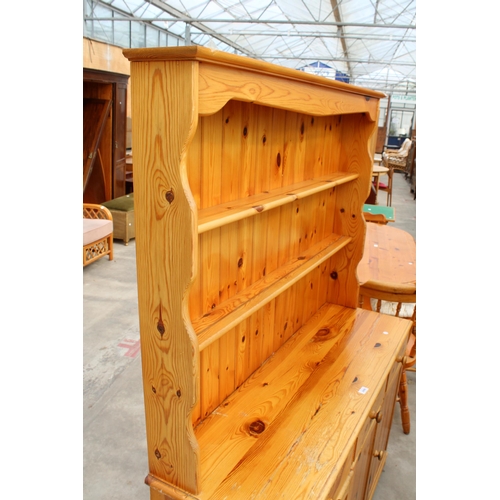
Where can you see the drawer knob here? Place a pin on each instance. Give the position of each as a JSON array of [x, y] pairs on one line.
[[378, 454], [376, 415], [401, 359]]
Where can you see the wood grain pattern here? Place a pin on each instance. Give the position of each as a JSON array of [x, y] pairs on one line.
[[209, 377], [216, 216], [246, 444], [271, 90], [383, 429], [213, 325], [211, 160], [198, 53], [194, 166], [165, 241], [227, 364], [276, 141], [348, 218], [250, 183], [394, 251], [232, 143]]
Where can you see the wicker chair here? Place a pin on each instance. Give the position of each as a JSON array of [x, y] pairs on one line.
[[97, 233], [398, 160]]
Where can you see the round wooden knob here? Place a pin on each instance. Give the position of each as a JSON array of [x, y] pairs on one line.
[[378, 454], [379, 417], [401, 359]]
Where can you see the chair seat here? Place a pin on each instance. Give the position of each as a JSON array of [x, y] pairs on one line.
[[123, 203], [96, 229]]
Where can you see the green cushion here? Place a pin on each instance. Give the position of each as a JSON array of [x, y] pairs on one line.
[[123, 203]]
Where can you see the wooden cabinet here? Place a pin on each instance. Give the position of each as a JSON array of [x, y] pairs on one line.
[[106, 175], [259, 372]]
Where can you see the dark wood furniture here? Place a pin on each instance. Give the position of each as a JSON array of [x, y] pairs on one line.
[[104, 136]]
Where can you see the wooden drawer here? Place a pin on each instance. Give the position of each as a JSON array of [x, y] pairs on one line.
[[344, 477], [396, 367], [374, 413], [343, 492]]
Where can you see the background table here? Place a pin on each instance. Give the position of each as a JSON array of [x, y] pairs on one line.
[[387, 272], [388, 266]]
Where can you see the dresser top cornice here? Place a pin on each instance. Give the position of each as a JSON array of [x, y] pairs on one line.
[[203, 54]]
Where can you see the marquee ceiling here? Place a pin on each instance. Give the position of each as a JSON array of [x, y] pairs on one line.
[[370, 42]]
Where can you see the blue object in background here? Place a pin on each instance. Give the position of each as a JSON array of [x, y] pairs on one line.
[[341, 77]]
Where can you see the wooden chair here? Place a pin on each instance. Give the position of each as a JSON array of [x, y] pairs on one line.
[[378, 213], [389, 301], [375, 218], [388, 187], [377, 159], [97, 233]]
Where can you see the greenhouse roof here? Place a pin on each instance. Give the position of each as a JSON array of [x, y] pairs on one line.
[[371, 43]]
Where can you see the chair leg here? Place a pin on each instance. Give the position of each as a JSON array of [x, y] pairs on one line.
[[365, 303], [110, 245], [403, 402]]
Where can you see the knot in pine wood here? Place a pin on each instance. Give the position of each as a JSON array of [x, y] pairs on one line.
[[322, 334], [257, 427], [160, 327], [169, 195]]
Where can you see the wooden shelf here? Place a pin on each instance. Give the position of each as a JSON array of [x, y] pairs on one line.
[[274, 395], [220, 215], [314, 381], [229, 313]]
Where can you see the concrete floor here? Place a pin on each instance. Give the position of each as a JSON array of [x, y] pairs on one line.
[[114, 438]]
